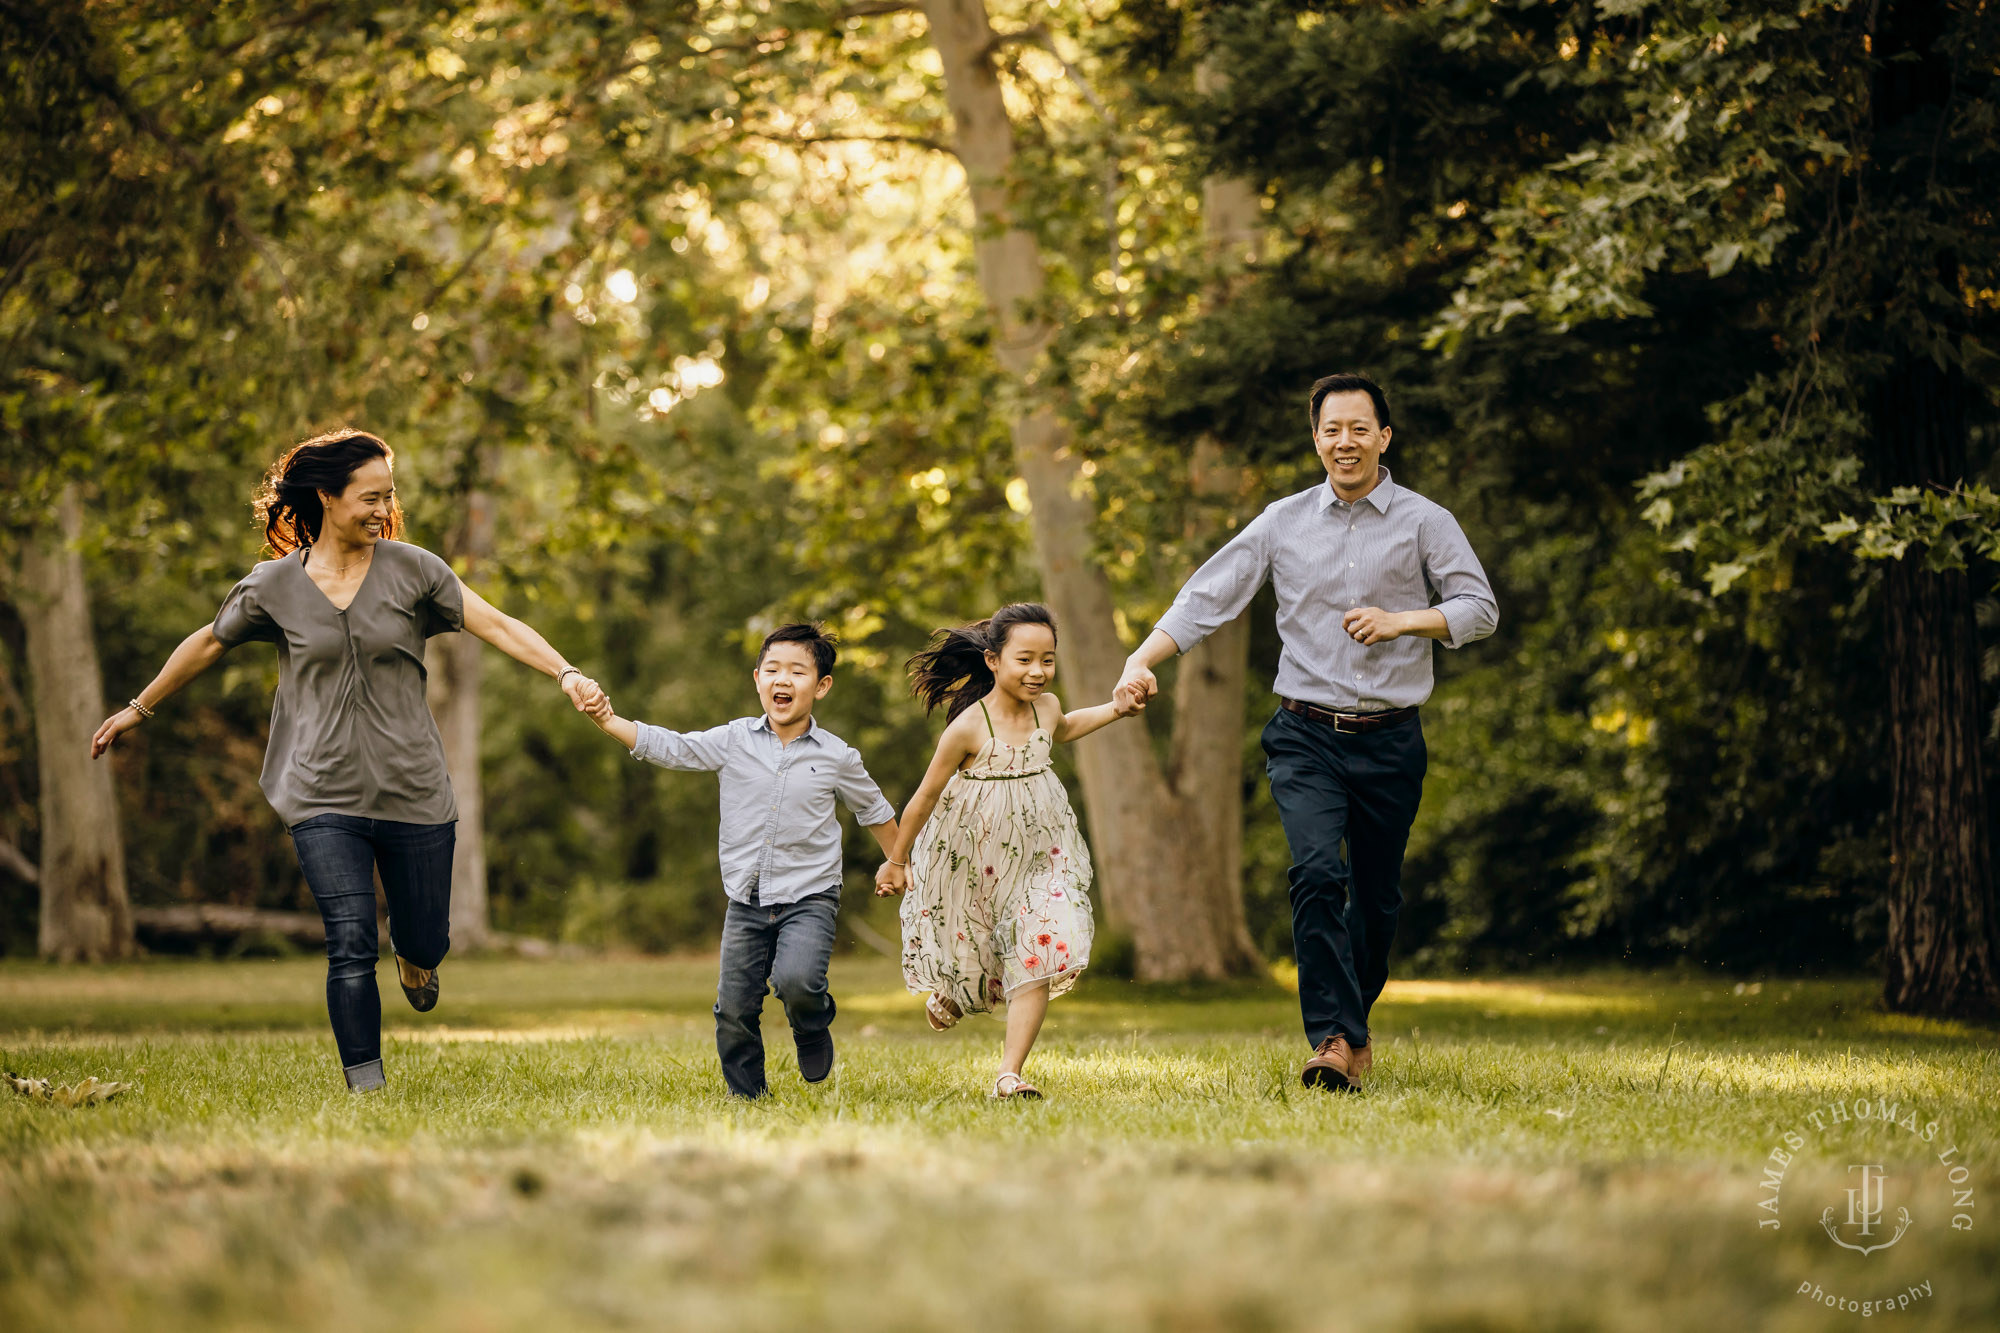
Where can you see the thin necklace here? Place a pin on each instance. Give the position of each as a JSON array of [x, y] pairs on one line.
[[342, 569]]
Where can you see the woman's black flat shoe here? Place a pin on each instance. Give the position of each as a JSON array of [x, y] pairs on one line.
[[419, 983]]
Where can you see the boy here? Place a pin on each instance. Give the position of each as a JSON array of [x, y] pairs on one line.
[[780, 846]]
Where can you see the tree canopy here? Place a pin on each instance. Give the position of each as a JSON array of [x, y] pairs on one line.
[[692, 292]]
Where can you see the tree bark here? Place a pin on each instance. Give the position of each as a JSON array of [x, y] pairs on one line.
[[1205, 765], [1170, 873], [456, 663], [1943, 951], [86, 916]]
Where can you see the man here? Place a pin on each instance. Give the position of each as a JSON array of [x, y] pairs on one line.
[[1357, 563]]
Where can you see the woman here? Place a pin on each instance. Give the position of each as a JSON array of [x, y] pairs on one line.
[[355, 766]]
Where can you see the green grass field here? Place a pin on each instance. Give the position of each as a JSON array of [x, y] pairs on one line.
[[554, 1151]]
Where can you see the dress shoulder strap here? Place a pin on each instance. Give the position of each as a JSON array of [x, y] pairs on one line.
[[1036, 709], [989, 720]]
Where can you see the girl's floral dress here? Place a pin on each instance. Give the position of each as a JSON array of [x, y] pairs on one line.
[[999, 881]]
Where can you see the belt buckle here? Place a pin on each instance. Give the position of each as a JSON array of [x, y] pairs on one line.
[[1341, 723]]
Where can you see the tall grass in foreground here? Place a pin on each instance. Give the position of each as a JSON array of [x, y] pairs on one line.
[[554, 1151]]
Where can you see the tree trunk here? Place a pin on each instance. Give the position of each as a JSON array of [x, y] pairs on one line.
[[1205, 765], [86, 916], [456, 663], [1943, 951], [1168, 872]]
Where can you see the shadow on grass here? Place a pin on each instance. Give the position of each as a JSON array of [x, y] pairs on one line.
[[626, 995]]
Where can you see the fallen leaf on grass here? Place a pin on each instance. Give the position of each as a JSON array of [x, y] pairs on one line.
[[90, 1092]]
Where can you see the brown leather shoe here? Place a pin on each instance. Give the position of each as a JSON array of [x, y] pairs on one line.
[[1359, 1060], [1329, 1066]]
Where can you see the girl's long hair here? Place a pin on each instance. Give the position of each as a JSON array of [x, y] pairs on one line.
[[952, 672], [288, 503]]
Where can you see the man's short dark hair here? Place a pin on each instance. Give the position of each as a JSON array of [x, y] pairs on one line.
[[1349, 384], [810, 633]]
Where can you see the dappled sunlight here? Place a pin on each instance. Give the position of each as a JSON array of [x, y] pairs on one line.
[[1515, 997], [577, 1164], [881, 1003], [606, 1025]]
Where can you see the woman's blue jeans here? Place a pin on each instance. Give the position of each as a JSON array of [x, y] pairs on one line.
[[339, 855]]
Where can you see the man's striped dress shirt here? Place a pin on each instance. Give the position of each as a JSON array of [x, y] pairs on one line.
[[1391, 549]]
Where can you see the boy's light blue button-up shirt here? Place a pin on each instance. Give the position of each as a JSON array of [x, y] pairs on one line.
[[1392, 548], [779, 832]]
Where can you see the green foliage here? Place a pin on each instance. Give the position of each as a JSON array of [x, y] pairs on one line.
[[1635, 763], [1744, 136], [684, 294]]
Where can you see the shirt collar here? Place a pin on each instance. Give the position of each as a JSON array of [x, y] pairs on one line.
[[763, 723], [1384, 492]]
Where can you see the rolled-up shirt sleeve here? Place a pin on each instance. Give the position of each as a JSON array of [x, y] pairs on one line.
[[859, 792], [690, 751], [1465, 597], [1220, 590]]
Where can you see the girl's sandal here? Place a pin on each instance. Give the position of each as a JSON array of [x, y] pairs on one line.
[[941, 1013], [1013, 1085]]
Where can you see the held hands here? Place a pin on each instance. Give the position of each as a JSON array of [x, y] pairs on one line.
[[1370, 625], [1136, 689], [890, 879], [584, 693]]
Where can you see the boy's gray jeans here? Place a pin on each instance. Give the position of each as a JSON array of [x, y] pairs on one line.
[[783, 947]]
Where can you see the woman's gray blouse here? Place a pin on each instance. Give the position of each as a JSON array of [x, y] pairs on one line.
[[351, 733]]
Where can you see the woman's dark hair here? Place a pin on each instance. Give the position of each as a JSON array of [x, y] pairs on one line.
[[288, 503], [952, 672], [1348, 384], [810, 633]]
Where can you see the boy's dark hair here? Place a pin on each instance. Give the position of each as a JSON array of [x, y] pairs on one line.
[[953, 670], [810, 633], [1348, 384]]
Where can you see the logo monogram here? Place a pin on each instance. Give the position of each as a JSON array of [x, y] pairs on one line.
[[1865, 1206]]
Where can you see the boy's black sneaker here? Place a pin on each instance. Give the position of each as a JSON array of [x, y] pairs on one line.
[[815, 1055]]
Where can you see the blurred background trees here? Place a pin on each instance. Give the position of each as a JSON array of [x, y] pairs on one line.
[[683, 320]]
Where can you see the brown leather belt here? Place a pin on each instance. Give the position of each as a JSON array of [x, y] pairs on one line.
[[1346, 722]]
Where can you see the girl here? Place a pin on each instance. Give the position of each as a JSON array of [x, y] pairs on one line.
[[1001, 877], [355, 766]]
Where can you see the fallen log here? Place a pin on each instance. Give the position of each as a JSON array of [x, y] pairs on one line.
[[18, 865], [188, 925]]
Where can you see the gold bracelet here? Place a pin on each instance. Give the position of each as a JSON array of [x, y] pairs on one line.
[[138, 708]]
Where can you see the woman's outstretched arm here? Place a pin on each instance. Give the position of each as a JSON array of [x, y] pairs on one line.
[[519, 641], [196, 654]]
